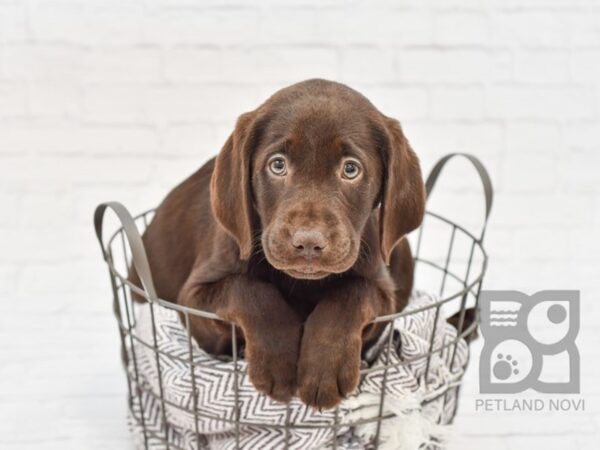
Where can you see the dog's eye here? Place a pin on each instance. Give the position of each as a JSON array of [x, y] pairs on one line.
[[351, 170], [277, 166]]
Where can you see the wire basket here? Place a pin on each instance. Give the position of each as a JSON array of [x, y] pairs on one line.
[[458, 278]]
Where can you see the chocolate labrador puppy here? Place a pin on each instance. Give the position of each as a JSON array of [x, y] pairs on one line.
[[295, 234]]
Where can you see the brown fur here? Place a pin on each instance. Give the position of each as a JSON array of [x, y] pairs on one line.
[[301, 262]]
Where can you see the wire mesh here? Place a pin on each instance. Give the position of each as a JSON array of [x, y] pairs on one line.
[[458, 291]]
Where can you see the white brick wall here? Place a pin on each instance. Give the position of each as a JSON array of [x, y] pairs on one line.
[[121, 99]]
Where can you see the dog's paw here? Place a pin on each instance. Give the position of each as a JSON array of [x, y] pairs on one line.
[[272, 365], [328, 371]]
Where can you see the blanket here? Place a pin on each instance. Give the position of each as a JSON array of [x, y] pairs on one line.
[[419, 408]]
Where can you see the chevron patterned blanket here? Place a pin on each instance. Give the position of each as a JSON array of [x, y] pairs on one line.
[[261, 419]]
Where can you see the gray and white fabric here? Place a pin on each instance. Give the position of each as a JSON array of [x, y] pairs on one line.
[[412, 425]]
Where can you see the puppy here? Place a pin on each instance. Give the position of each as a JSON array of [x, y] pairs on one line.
[[295, 234]]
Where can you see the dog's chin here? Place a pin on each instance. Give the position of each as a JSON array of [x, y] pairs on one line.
[[308, 271], [307, 274]]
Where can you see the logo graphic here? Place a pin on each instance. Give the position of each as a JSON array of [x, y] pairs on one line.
[[524, 335]]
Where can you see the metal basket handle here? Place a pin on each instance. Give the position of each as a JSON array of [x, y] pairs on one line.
[[138, 253], [488, 189]]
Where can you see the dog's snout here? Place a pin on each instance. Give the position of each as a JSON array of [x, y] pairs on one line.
[[309, 243]]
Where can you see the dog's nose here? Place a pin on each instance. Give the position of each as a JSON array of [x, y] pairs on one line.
[[309, 243]]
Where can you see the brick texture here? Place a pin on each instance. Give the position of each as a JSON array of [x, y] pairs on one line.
[[121, 99]]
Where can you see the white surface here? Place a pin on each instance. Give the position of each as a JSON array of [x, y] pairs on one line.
[[121, 99]]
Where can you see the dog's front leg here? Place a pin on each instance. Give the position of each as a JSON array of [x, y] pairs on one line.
[[329, 364], [271, 329]]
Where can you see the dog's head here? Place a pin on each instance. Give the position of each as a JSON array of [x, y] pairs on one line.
[[304, 172]]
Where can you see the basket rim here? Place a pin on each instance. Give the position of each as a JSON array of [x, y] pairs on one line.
[[476, 243]]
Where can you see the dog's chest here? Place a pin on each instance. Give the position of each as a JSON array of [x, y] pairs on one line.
[[304, 295]]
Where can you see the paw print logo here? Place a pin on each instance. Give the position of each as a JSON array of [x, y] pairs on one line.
[[510, 362], [521, 334], [505, 367]]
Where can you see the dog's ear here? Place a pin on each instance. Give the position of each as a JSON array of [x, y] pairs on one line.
[[230, 185], [403, 193]]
